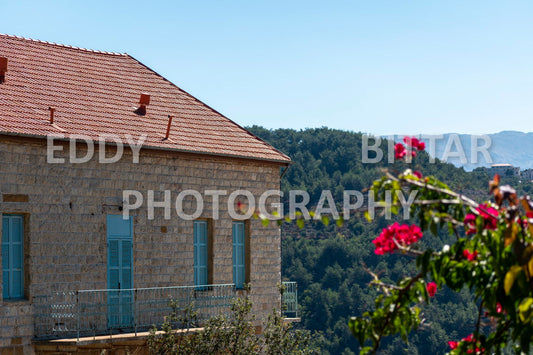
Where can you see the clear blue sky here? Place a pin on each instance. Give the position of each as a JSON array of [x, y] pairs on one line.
[[380, 67]]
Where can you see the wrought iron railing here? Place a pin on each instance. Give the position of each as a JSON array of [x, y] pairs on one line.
[[73, 314], [289, 299]]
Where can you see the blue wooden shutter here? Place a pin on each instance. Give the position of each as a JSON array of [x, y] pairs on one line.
[[200, 253], [12, 256], [126, 256], [120, 252], [113, 270], [120, 271], [239, 250], [6, 260], [113, 281]]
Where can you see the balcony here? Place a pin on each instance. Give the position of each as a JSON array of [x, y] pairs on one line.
[[289, 301], [89, 313]]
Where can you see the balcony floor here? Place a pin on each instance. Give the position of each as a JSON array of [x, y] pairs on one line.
[[113, 344]]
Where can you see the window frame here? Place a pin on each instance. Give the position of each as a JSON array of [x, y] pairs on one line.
[[21, 294], [245, 247], [120, 271], [209, 252]]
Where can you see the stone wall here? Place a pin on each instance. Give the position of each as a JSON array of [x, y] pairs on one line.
[[65, 207]]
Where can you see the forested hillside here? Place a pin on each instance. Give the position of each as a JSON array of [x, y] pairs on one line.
[[329, 262]]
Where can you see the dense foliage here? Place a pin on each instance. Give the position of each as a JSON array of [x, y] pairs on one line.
[[330, 263], [233, 333]]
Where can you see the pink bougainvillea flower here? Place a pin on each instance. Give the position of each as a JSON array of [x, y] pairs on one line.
[[489, 215], [469, 338], [418, 174], [499, 308], [470, 224], [383, 245], [396, 233], [399, 151], [431, 287], [453, 345], [414, 142], [469, 256], [413, 145]]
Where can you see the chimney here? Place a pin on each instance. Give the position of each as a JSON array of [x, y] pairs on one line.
[[3, 69], [143, 102]]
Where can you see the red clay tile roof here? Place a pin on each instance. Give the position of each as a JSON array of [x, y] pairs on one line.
[[96, 93]]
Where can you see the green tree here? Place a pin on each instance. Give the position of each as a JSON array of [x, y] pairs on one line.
[[306, 252], [232, 334]]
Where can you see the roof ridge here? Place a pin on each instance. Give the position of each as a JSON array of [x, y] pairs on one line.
[[62, 45]]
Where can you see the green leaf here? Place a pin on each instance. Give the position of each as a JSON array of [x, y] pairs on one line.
[[265, 222], [525, 310], [325, 220], [300, 223], [510, 278]]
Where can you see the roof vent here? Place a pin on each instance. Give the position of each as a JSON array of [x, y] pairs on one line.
[[168, 127], [52, 110], [143, 102], [3, 69]]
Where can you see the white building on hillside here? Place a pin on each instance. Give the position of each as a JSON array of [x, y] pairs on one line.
[[504, 170]]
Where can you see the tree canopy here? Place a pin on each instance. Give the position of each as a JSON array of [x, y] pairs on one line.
[[330, 263]]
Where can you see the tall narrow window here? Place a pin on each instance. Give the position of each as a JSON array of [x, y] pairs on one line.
[[239, 254], [12, 256], [201, 267], [119, 271]]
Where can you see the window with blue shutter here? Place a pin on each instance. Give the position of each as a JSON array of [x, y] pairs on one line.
[[239, 254], [120, 271], [12, 256], [200, 253]]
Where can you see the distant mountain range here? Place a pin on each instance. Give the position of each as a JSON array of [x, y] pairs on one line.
[[512, 147]]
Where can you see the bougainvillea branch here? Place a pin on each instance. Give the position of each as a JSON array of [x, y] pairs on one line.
[[492, 257]]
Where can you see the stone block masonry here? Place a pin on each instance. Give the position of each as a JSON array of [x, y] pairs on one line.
[[65, 208]]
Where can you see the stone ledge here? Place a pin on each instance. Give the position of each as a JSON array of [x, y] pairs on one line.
[[73, 345]]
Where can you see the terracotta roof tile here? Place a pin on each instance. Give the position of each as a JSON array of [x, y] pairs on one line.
[[96, 92]]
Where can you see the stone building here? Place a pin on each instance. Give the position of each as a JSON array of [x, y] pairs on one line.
[[104, 169]]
